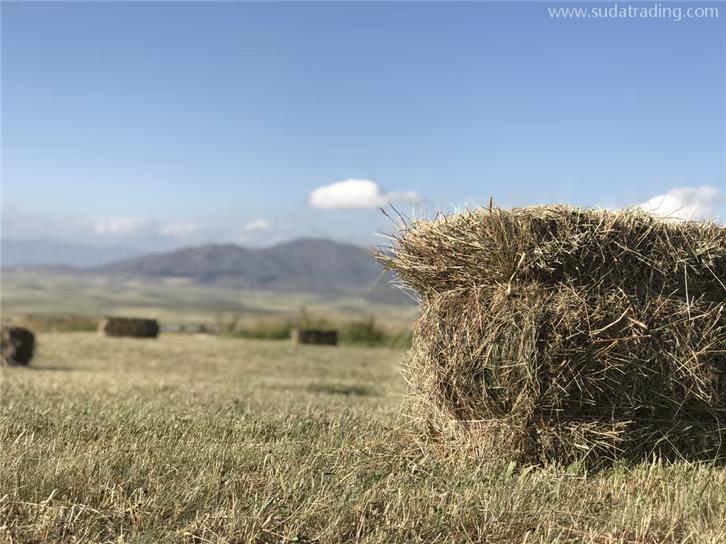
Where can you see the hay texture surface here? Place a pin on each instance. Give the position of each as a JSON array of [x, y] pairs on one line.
[[556, 334], [17, 346], [129, 326]]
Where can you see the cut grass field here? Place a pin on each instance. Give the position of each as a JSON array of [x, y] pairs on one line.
[[208, 439]]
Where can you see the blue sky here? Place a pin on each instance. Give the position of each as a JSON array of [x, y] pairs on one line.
[[159, 124]]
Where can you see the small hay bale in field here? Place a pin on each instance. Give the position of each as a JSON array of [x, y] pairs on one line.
[[129, 326], [557, 334], [17, 346], [316, 336]]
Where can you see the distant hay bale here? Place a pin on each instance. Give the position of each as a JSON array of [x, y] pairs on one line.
[[17, 346], [557, 334], [129, 326], [316, 336]]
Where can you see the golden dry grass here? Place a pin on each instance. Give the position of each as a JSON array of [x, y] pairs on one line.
[[199, 439]]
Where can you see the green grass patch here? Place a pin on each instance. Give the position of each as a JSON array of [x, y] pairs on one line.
[[261, 330], [57, 323], [362, 332]]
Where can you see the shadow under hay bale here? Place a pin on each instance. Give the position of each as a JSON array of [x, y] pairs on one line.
[[558, 334], [17, 346], [129, 327], [316, 336]]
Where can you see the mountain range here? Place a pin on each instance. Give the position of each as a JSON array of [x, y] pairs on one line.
[[303, 265]]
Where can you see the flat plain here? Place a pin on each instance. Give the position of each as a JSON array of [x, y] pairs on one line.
[[196, 438], [43, 293]]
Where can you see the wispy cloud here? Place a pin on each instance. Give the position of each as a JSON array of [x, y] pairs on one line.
[[23, 224], [179, 229], [690, 203], [358, 193], [120, 226], [257, 224]]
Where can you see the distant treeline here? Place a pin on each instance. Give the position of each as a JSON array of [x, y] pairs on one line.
[[362, 332], [57, 323]]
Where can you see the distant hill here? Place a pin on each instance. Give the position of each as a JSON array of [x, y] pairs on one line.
[[304, 266], [17, 253], [312, 266]]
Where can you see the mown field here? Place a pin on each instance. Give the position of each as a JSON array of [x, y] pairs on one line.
[[208, 439]]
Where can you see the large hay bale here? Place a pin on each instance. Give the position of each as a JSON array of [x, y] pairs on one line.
[[316, 336], [17, 346], [557, 334], [129, 326]]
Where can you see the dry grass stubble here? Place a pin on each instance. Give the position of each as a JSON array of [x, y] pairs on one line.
[[198, 439]]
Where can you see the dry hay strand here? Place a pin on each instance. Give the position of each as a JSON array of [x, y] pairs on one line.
[[17, 346], [129, 327], [559, 334]]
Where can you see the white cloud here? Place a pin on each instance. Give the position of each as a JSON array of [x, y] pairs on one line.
[[119, 226], [690, 203], [179, 229], [358, 193], [258, 224]]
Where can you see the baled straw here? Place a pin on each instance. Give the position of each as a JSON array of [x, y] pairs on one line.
[[560, 333]]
